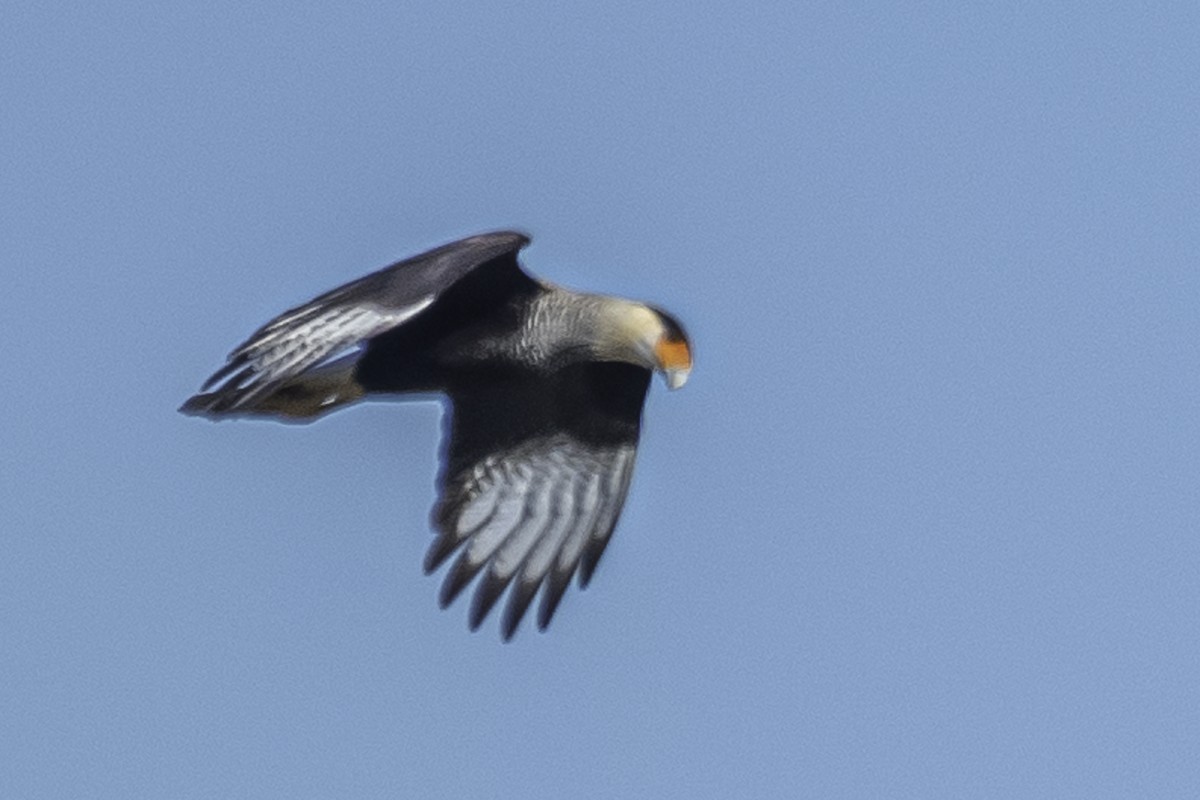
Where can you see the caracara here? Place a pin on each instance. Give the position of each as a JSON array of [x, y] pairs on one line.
[[545, 386]]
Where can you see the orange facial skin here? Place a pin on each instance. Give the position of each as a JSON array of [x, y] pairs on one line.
[[673, 354]]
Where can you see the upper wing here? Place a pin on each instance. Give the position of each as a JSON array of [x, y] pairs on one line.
[[536, 472], [327, 326]]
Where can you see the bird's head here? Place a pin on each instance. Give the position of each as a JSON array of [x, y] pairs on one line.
[[648, 337]]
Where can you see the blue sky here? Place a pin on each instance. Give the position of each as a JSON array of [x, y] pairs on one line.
[[923, 523]]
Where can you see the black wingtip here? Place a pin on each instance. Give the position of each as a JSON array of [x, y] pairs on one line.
[[587, 564], [457, 579], [198, 405], [441, 549], [552, 595], [486, 594], [519, 600]]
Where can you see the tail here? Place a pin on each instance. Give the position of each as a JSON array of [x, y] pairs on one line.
[[301, 399]]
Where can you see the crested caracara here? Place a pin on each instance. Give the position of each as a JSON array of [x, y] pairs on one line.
[[545, 385]]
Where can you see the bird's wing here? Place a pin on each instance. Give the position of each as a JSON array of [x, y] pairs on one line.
[[536, 472], [327, 326]]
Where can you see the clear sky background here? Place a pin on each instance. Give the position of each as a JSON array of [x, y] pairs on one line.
[[925, 522]]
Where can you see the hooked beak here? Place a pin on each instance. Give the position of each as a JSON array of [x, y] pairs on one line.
[[674, 361], [676, 378]]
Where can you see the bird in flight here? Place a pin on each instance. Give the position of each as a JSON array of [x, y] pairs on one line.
[[545, 387]]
